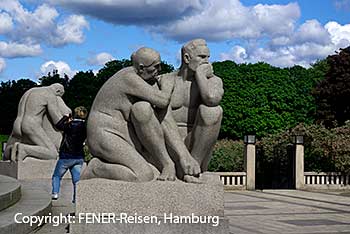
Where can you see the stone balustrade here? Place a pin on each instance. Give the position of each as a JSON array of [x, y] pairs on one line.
[[233, 180], [326, 180]]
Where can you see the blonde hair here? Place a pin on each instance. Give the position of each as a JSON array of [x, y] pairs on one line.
[[80, 112]]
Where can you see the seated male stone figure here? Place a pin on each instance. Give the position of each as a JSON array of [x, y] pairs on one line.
[[33, 133], [128, 122], [195, 101]]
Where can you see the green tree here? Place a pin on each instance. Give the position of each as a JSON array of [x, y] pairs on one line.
[[333, 93], [81, 90], [10, 94], [110, 68], [326, 150], [262, 99], [227, 156], [54, 78]]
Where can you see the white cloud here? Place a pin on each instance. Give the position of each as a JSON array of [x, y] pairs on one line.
[[312, 31], [100, 59], [310, 42], [14, 50], [340, 34], [5, 22], [71, 30], [275, 19], [61, 66], [283, 56], [237, 54], [183, 20], [137, 12], [2, 64], [235, 21], [42, 25], [270, 32]]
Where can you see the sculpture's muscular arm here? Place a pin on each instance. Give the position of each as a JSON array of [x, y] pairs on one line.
[[210, 86], [63, 108], [53, 108], [139, 88], [175, 142]]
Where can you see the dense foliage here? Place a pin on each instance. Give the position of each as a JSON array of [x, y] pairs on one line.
[[227, 156], [333, 93], [262, 99], [325, 149], [10, 94]]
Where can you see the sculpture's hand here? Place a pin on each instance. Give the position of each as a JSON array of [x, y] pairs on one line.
[[209, 85], [167, 85], [190, 166], [205, 70]]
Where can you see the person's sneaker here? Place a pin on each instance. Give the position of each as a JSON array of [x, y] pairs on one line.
[[54, 196]]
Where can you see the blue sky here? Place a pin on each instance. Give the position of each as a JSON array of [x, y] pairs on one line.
[[37, 36]]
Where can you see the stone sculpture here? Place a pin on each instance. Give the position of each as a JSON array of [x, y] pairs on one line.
[[137, 119], [128, 127], [195, 101], [33, 132], [140, 122]]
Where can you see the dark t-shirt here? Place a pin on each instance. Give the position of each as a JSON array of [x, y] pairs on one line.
[[74, 135]]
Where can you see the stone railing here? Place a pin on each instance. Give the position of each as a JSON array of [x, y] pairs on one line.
[[326, 180], [233, 180]]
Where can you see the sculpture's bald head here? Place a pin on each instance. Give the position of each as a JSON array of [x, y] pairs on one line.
[[145, 56], [195, 53], [146, 61], [57, 89]]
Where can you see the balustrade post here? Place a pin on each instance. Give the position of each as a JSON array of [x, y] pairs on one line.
[[249, 161], [299, 161]]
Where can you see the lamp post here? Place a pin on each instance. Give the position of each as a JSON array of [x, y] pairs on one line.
[[249, 160], [298, 141], [249, 139]]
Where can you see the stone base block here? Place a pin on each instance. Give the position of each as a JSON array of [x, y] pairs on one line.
[[158, 199], [30, 169], [162, 228], [8, 168], [151, 198]]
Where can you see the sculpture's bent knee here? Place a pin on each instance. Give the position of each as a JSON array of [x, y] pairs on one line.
[[210, 115], [142, 112]]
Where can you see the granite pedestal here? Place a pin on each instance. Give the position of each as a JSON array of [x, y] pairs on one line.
[[30, 169], [109, 206]]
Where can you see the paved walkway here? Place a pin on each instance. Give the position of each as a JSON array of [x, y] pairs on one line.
[[256, 212], [63, 206], [287, 211]]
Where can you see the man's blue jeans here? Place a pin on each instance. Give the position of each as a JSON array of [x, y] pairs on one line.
[[62, 166]]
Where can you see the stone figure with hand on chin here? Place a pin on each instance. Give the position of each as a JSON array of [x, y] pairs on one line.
[[195, 103], [127, 129]]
